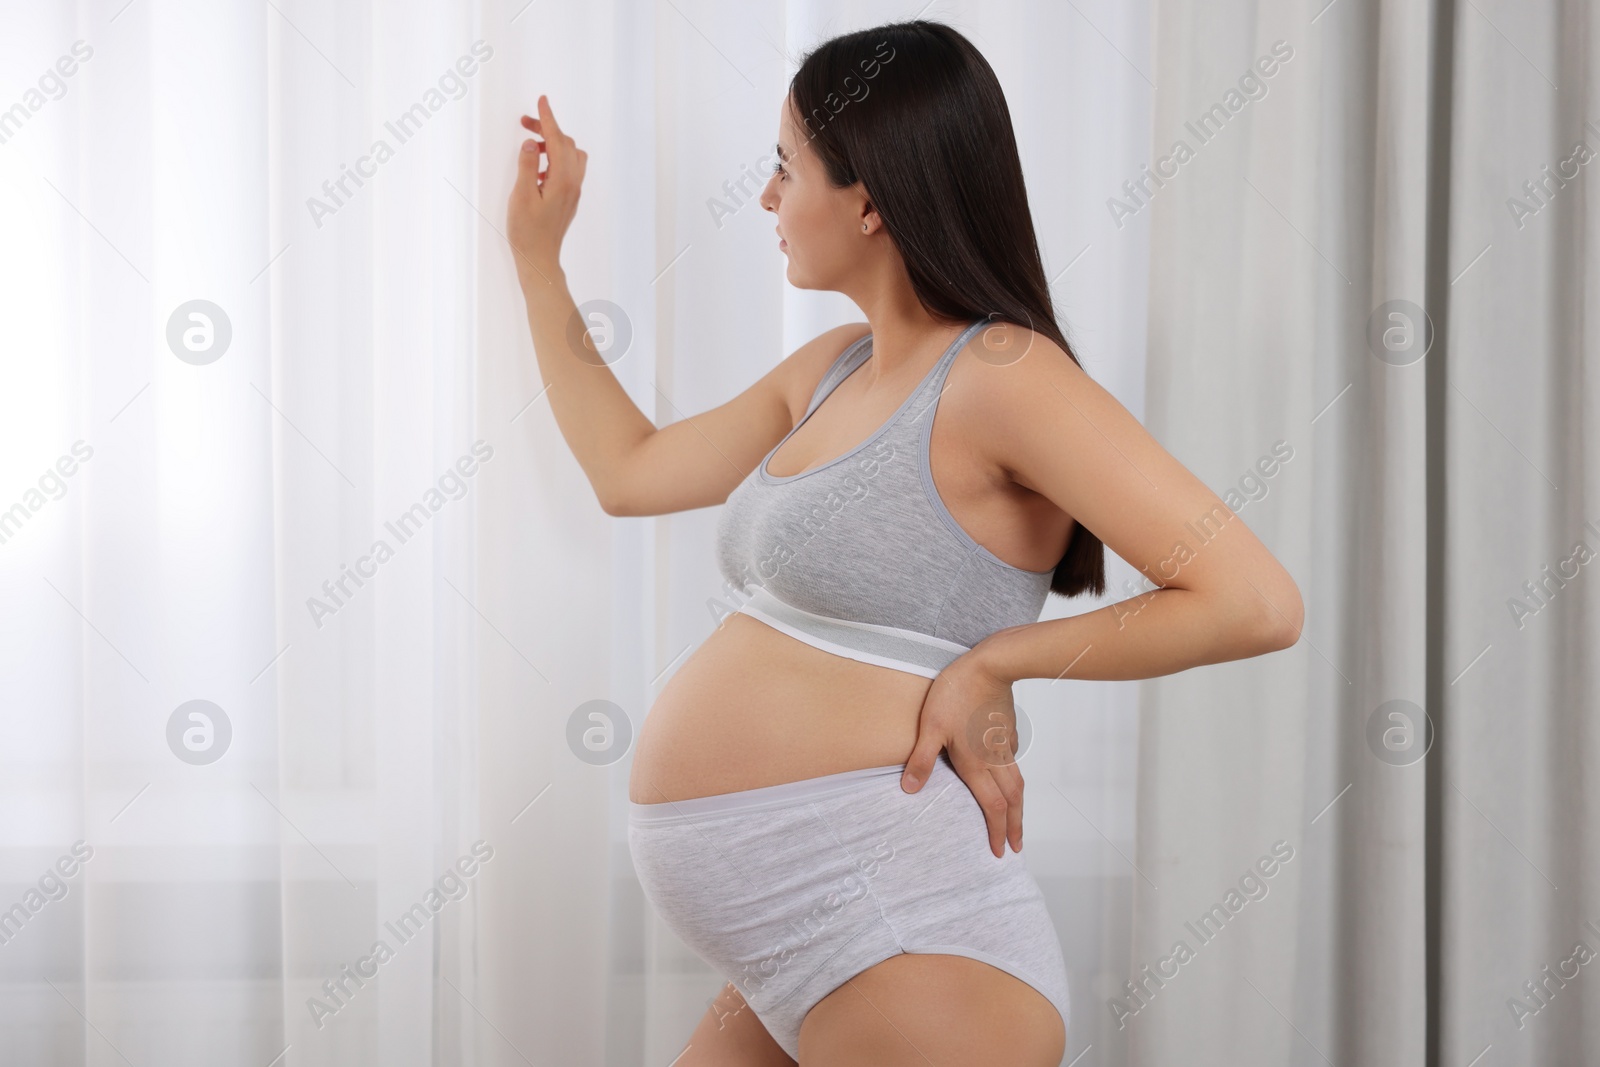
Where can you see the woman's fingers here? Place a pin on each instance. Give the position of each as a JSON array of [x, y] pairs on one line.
[[1008, 779], [547, 117], [558, 147], [990, 799], [996, 784], [920, 763], [554, 139], [528, 163], [532, 125], [543, 145]]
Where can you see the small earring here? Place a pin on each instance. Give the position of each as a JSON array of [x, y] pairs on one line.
[[863, 227]]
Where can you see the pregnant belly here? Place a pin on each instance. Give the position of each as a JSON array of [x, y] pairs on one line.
[[755, 707]]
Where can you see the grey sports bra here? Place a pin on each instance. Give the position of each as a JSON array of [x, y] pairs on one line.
[[859, 556]]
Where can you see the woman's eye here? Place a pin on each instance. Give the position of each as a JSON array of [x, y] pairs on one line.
[[777, 168]]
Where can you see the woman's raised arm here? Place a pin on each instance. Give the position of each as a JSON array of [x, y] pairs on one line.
[[635, 468]]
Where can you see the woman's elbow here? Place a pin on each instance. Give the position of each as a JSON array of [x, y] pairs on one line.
[[1280, 616], [615, 498], [615, 506]]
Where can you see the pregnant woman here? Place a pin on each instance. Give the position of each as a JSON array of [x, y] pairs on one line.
[[823, 794]]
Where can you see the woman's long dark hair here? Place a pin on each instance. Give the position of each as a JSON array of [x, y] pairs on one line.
[[914, 112]]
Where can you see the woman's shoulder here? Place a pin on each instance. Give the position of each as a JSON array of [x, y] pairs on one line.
[[1008, 374], [807, 367]]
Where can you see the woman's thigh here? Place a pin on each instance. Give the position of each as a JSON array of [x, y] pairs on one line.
[[922, 1008], [730, 1035]]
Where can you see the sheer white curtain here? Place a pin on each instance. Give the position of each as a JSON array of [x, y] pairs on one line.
[[272, 440], [217, 538]]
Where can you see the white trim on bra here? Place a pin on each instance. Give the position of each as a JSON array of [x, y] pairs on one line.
[[914, 636]]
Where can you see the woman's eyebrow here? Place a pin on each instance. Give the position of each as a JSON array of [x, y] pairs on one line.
[[783, 155]]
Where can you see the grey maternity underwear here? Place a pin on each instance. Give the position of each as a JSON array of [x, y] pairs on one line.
[[790, 890]]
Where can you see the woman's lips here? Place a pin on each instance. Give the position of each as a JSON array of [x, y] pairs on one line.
[[782, 244]]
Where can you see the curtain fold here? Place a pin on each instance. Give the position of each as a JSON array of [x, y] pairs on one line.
[[1521, 625], [1291, 259]]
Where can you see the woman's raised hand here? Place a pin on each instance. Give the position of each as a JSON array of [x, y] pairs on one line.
[[543, 202]]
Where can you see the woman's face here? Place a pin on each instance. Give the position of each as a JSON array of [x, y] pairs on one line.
[[820, 226]]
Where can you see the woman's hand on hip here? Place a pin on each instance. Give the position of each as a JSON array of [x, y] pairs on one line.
[[970, 712], [543, 203]]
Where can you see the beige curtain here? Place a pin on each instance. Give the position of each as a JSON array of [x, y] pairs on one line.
[[1421, 751], [1519, 815]]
